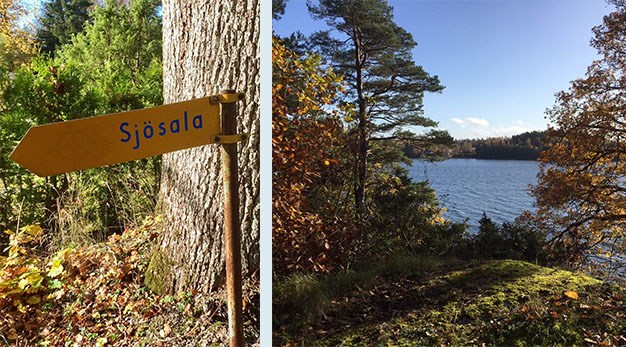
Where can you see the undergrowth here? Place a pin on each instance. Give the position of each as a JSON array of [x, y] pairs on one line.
[[95, 296]]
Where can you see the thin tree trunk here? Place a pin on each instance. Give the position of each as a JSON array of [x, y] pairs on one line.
[[207, 46], [362, 145], [360, 166]]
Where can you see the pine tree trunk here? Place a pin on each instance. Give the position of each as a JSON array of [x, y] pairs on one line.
[[208, 46], [360, 171]]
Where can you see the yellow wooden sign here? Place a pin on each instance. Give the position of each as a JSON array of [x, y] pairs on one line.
[[114, 138]]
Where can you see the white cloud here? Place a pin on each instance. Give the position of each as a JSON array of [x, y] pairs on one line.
[[458, 121], [480, 122], [471, 121], [470, 127], [509, 131]]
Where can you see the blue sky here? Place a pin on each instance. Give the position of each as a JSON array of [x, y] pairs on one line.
[[501, 61]]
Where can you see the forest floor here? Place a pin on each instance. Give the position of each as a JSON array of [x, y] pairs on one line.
[[95, 296], [450, 303]]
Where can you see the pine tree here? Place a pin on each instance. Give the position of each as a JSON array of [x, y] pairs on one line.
[[386, 86], [60, 21]]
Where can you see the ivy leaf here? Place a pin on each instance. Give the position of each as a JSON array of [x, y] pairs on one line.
[[55, 284]]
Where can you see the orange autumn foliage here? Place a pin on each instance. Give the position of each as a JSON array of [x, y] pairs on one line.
[[581, 190], [305, 132]]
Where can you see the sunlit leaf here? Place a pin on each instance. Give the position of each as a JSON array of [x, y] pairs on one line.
[[64, 254], [56, 269], [571, 294], [23, 283], [55, 284], [33, 230]]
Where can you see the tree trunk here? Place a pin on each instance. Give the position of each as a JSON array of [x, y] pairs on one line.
[[208, 46], [361, 170], [360, 162]]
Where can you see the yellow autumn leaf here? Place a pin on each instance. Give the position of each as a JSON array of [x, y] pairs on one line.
[[32, 279], [571, 294], [63, 254], [23, 283], [56, 268], [33, 230]]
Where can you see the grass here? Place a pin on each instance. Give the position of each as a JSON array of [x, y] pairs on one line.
[[419, 301]]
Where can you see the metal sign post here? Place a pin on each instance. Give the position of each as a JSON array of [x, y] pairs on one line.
[[232, 232]]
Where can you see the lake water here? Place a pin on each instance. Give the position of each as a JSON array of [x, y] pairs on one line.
[[469, 187]]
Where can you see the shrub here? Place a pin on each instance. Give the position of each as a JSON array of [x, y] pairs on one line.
[[405, 217], [520, 240]]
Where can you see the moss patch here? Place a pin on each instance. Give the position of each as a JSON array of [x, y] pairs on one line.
[[158, 272], [502, 302]]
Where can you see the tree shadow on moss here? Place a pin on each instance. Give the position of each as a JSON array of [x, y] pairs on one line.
[[390, 296]]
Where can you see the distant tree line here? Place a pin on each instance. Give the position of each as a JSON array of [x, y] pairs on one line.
[[525, 146]]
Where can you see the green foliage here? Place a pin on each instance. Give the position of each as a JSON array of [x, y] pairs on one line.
[[278, 8], [113, 65], [488, 241], [41, 93], [98, 202], [403, 216], [521, 240], [406, 218], [49, 91], [119, 55], [61, 20]]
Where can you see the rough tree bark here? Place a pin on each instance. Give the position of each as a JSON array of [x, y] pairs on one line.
[[208, 46]]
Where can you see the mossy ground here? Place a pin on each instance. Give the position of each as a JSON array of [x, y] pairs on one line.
[[499, 302]]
